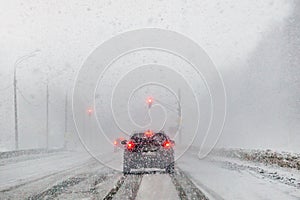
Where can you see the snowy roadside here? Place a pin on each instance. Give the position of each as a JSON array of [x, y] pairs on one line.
[[27, 153], [268, 157], [22, 171], [280, 174], [13, 158], [282, 167], [230, 177]]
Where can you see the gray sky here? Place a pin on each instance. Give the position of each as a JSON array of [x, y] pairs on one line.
[[66, 32]]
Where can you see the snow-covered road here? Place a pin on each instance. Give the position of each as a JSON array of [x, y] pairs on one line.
[[157, 186], [73, 175], [18, 173]]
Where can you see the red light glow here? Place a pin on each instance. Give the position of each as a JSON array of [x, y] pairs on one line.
[[150, 100], [90, 111], [130, 145], [148, 133], [167, 144]]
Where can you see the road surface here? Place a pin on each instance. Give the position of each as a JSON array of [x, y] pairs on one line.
[[74, 175]]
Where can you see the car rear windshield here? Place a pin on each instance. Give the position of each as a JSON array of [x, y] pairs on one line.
[[157, 136]]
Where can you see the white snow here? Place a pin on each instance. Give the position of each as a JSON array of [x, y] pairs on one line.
[[217, 177], [225, 183], [157, 186], [21, 172]]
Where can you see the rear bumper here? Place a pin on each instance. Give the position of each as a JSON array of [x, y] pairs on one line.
[[137, 160]]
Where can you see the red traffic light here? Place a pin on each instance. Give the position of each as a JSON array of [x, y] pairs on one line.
[[148, 133], [149, 101], [90, 111]]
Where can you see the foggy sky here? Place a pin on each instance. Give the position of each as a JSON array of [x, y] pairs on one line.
[[255, 45]]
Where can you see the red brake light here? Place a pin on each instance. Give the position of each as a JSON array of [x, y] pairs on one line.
[[167, 144], [115, 142], [130, 145], [148, 133]]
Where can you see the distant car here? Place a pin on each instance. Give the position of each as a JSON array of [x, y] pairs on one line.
[[117, 144], [148, 150]]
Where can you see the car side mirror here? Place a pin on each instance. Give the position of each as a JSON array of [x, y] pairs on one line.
[[124, 142]]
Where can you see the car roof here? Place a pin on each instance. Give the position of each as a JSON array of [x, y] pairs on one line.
[[142, 135]]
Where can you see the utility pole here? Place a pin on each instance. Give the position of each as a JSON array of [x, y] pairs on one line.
[[89, 131], [47, 114], [47, 108], [179, 116], [176, 110], [150, 102], [16, 110], [18, 61], [66, 113], [66, 119]]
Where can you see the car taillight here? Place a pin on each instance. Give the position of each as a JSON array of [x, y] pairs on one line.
[[130, 145], [115, 142], [167, 144]]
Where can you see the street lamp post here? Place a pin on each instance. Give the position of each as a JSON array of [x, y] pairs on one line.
[[18, 61], [16, 110], [179, 116], [88, 125], [48, 81], [47, 114], [169, 107], [66, 121]]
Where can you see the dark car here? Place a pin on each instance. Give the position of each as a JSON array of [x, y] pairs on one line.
[[148, 150]]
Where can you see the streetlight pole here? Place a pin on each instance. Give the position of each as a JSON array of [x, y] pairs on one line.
[[169, 107], [66, 120], [16, 110], [47, 114], [89, 130], [66, 113], [47, 107], [18, 61], [179, 116]]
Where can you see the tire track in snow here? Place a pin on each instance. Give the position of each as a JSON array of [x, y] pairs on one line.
[[185, 187], [74, 168], [96, 185], [181, 193], [62, 187], [126, 187], [115, 189], [57, 189], [130, 187], [70, 181]]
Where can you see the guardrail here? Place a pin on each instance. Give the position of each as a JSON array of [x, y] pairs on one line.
[[16, 153]]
